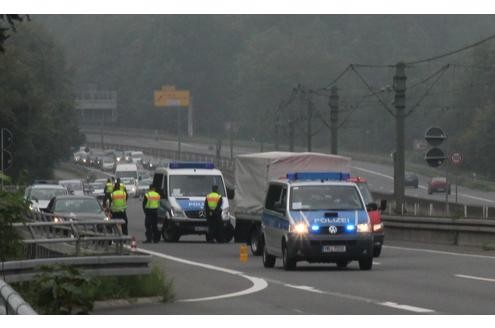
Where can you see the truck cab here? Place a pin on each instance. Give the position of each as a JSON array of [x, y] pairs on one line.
[[375, 214], [316, 217], [183, 188]]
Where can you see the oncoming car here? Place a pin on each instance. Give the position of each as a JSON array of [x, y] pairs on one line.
[[316, 217], [39, 195], [76, 208]]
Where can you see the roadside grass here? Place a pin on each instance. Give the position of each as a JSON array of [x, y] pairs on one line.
[[63, 288]]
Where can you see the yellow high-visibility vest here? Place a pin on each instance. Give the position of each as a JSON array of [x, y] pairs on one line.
[[213, 198], [119, 203], [153, 200], [109, 187]]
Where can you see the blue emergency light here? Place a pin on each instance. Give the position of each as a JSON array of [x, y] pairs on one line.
[[315, 228], [191, 165], [350, 227], [335, 176]]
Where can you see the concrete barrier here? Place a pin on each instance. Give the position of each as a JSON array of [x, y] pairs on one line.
[[447, 231]]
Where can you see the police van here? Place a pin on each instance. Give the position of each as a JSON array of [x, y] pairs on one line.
[[183, 187], [316, 217]]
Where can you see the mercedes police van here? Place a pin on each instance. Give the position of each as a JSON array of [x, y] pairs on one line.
[[316, 217], [183, 188]]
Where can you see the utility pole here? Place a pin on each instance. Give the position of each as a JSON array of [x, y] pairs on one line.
[[309, 118], [400, 105], [333, 102], [277, 127]]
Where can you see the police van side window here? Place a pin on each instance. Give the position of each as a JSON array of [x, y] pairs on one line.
[[159, 185], [274, 198]]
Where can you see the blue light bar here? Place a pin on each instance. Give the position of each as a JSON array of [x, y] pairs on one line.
[[315, 228], [191, 165], [336, 176], [350, 227]]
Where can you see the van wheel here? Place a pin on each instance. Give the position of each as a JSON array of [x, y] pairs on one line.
[[342, 264], [268, 259], [256, 242], [170, 235], [287, 262], [377, 251], [366, 263]]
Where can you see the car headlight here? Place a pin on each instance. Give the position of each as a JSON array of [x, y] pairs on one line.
[[118, 159], [299, 228], [58, 220], [378, 227], [177, 212], [363, 227], [107, 218]]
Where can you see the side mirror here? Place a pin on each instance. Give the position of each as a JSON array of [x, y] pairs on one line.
[[230, 193], [371, 207], [383, 205]]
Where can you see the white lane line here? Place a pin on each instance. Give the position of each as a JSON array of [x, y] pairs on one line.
[[354, 297], [432, 251], [306, 288], [258, 283], [406, 307], [474, 277], [420, 186], [377, 263]]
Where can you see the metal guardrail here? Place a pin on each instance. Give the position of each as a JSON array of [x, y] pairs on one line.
[[11, 302]]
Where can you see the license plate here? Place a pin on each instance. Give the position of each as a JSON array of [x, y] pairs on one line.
[[333, 249], [200, 228]]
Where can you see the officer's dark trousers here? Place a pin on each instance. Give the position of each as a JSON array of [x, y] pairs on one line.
[[121, 215], [215, 229], [150, 224]]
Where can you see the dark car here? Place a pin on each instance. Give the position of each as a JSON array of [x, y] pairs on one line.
[[76, 208], [411, 180], [438, 184]]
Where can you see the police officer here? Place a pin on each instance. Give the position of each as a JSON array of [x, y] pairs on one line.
[[151, 202], [118, 206], [213, 209], [108, 192]]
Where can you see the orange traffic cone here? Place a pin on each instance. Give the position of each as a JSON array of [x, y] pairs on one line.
[[243, 253], [133, 244]]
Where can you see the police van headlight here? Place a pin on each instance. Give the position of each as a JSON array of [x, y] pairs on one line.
[[177, 213], [363, 227], [378, 227], [226, 214], [299, 228]]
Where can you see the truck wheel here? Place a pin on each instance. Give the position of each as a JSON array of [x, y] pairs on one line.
[[366, 263], [377, 251], [342, 264], [256, 242], [170, 235], [268, 260], [287, 262]]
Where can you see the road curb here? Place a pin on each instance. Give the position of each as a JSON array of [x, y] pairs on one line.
[[115, 303]]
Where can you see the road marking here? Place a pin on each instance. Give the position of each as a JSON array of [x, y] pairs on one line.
[[441, 252], [306, 288], [377, 263], [258, 283], [474, 277], [407, 307], [354, 297]]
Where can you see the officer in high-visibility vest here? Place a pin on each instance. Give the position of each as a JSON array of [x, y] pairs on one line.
[[213, 209], [108, 192], [122, 187], [151, 202], [118, 206]]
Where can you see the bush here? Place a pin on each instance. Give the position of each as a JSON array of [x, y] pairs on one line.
[[13, 209]]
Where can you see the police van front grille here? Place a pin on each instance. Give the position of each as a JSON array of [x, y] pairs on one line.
[[326, 231], [195, 214]]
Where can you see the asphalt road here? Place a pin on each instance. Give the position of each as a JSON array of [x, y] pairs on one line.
[[406, 279], [379, 176]]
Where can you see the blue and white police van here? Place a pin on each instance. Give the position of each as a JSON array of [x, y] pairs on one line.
[[316, 217], [183, 187]]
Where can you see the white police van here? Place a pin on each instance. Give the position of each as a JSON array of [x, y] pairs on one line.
[[316, 217], [183, 187]]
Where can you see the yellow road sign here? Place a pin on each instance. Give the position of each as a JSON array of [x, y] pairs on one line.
[[169, 97]]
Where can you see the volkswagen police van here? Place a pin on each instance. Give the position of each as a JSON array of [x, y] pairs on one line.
[[316, 217], [183, 187]]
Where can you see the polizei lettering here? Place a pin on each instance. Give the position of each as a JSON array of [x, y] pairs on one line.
[[331, 220]]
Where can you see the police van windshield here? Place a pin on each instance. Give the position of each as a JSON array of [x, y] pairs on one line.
[[365, 191], [126, 174], [325, 197], [194, 185]]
